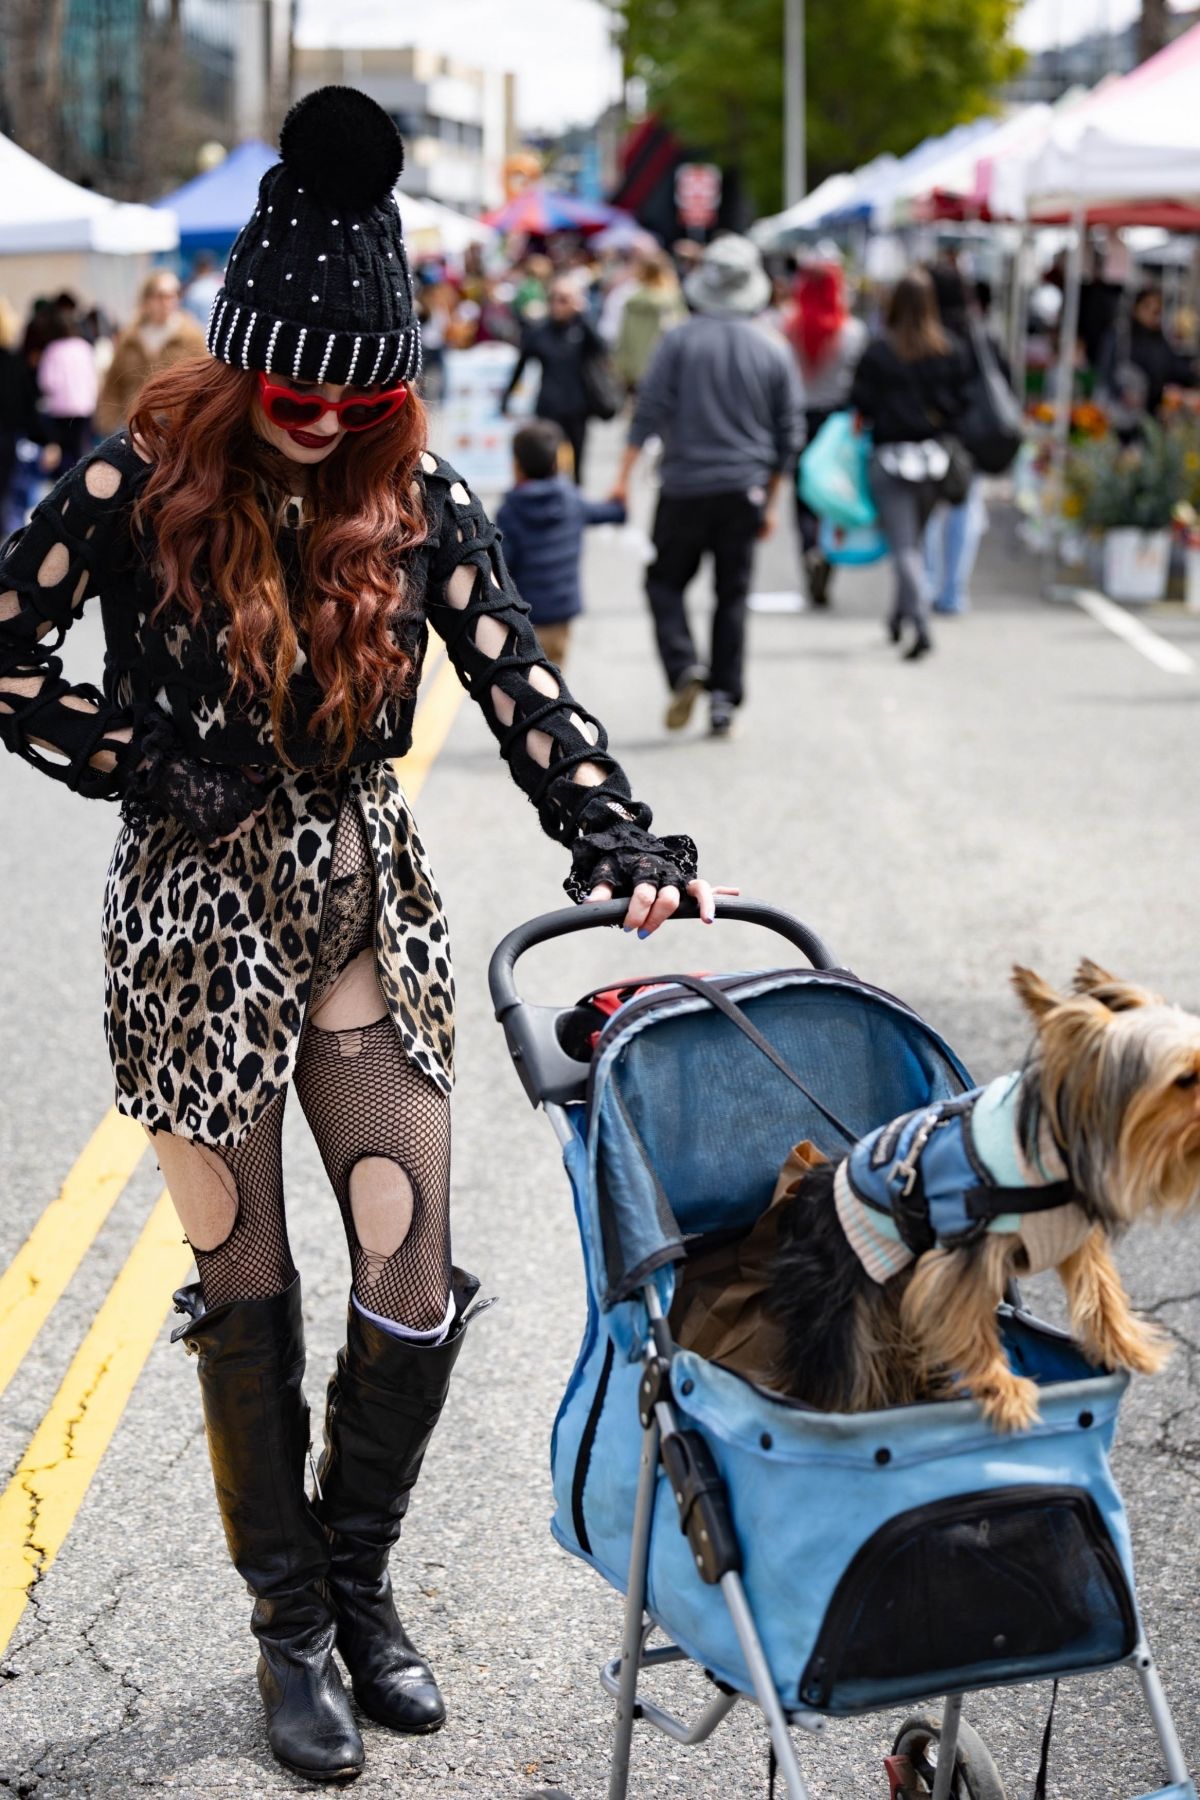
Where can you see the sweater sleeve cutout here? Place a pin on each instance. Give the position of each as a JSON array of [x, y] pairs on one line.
[[76, 538], [556, 750]]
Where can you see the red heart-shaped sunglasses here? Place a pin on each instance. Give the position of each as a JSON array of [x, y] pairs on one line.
[[360, 412]]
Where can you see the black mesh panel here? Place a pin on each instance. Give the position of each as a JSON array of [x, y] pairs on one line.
[[981, 1588]]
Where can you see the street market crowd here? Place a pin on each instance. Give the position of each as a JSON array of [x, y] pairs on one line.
[[901, 358]]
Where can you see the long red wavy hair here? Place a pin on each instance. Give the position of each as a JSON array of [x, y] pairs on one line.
[[208, 507]]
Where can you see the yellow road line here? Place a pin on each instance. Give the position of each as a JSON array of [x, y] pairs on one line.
[[63, 1235], [444, 696], [39, 1505]]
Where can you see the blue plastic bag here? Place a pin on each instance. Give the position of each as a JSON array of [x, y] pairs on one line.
[[833, 473], [852, 544]]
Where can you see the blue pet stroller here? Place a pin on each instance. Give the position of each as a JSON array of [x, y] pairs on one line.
[[819, 1565]]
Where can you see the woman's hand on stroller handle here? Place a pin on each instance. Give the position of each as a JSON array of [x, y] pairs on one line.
[[650, 907]]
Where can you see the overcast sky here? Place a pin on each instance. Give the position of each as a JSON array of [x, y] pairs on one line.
[[560, 50], [566, 69]]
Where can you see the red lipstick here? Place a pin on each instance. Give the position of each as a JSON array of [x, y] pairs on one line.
[[312, 440]]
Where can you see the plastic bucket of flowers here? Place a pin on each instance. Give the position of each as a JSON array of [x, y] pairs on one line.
[[1127, 493]]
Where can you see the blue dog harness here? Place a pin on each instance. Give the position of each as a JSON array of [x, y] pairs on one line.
[[945, 1174]]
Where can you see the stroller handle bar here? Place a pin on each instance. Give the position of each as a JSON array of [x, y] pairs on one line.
[[548, 1074]]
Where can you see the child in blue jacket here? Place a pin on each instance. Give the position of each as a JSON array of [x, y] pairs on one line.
[[542, 519]]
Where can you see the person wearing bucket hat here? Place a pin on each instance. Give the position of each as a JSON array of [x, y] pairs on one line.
[[725, 399], [270, 539]]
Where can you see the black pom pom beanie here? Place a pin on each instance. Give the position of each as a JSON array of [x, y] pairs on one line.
[[318, 286]]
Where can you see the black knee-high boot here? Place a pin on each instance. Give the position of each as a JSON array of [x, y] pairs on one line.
[[250, 1360], [384, 1402]]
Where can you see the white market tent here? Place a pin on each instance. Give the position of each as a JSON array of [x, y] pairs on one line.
[[951, 186], [54, 234], [40, 210], [833, 192], [1128, 152], [431, 228]]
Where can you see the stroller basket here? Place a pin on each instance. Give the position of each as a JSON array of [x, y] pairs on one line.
[[819, 1564]]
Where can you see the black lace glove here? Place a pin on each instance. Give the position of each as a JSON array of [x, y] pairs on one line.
[[162, 779], [614, 848]]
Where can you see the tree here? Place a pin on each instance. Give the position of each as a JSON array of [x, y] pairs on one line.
[[1152, 28], [882, 75]]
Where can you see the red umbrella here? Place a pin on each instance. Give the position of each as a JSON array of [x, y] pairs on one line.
[[537, 212]]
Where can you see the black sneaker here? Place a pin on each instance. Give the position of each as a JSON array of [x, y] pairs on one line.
[[684, 695], [721, 713]]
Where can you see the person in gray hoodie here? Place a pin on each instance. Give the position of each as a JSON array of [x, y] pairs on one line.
[[724, 396]]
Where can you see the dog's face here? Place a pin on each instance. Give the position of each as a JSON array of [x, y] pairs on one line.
[[1120, 1085]]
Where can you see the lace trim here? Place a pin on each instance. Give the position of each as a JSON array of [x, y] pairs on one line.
[[625, 856], [162, 780]]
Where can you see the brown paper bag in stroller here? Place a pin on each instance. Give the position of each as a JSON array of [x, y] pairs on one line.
[[718, 1310]]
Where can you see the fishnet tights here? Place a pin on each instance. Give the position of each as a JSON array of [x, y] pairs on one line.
[[382, 1127]]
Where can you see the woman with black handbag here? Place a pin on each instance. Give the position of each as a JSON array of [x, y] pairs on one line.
[[990, 430], [910, 390], [572, 355]]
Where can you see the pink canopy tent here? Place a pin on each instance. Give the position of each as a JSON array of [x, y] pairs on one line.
[[1128, 153]]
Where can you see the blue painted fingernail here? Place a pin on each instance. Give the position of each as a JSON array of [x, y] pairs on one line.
[[627, 928], [643, 933]]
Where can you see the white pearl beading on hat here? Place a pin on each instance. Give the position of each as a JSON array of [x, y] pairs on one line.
[[299, 351], [219, 309]]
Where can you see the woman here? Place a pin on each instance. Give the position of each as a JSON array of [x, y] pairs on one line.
[[562, 344], [828, 342], [67, 386], [653, 304], [1138, 360], [954, 533], [268, 541], [910, 390], [162, 334]]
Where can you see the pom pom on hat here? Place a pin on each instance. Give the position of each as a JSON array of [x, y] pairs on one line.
[[343, 147]]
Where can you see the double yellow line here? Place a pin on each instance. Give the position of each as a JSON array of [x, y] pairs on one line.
[[38, 1507]]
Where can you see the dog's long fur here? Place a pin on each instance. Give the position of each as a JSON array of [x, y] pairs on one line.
[[1114, 1074]]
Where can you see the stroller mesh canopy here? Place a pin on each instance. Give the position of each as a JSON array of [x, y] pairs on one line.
[[690, 1122]]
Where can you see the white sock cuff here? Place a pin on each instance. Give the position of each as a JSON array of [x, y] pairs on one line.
[[432, 1334]]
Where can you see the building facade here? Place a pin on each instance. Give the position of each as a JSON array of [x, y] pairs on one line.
[[458, 123], [1050, 73], [121, 94]]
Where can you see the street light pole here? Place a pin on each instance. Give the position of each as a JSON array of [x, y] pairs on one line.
[[795, 176]]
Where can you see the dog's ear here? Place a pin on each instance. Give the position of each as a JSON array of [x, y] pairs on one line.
[[1109, 990], [1036, 995], [1089, 976]]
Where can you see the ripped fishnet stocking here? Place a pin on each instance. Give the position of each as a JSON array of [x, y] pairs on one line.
[[244, 1188], [368, 1106], [382, 1127]]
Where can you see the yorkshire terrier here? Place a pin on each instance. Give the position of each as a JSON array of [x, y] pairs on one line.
[[891, 1263]]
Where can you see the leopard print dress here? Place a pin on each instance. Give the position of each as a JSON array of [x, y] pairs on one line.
[[210, 948], [209, 953]]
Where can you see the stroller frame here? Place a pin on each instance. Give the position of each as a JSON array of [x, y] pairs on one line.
[[552, 1079]]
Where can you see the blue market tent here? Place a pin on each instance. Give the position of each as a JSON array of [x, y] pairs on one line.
[[213, 207]]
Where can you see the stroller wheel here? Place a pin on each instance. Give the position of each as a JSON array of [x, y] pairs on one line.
[[976, 1776]]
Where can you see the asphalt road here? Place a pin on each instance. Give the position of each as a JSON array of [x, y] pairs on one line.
[[1024, 794]]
